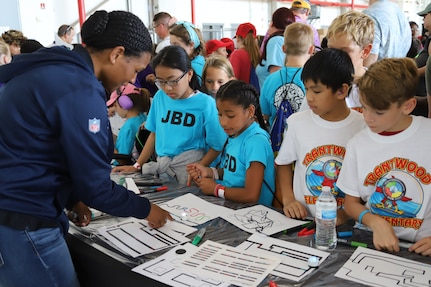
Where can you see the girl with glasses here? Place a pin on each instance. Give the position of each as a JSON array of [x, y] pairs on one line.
[[182, 120]]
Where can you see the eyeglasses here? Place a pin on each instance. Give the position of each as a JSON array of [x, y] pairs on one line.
[[172, 83]]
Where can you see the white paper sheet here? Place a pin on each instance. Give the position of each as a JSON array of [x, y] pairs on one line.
[[229, 264], [192, 210], [163, 269], [376, 268], [136, 238], [131, 185], [260, 219], [295, 256]]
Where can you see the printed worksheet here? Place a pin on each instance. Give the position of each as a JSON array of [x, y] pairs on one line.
[[136, 238], [376, 268], [192, 210], [294, 265], [163, 270], [234, 266], [260, 219]]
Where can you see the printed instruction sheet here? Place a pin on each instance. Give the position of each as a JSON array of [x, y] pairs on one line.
[[163, 270], [229, 264]]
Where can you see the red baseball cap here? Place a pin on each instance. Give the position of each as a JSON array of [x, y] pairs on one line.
[[245, 28], [230, 44], [123, 90], [212, 46]]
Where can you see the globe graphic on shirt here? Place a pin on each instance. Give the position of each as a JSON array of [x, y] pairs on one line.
[[323, 171]]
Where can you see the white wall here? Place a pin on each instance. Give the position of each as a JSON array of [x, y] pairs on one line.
[[41, 24]]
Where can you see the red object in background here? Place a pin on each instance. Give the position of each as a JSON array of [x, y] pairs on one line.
[[42, 5]]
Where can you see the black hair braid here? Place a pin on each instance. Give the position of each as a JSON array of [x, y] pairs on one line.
[[105, 30], [244, 95]]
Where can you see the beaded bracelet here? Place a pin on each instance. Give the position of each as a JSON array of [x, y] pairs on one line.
[[361, 215]]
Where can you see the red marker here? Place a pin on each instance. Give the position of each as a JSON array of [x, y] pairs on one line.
[[272, 284]]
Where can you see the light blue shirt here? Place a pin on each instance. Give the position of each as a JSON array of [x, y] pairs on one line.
[[184, 124], [274, 57], [275, 88], [252, 145], [198, 65], [392, 34], [127, 135]]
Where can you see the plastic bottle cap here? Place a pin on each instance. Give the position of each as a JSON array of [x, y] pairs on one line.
[[313, 261]]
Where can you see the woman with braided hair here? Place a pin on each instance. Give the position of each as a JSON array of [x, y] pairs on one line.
[[56, 145], [246, 170]]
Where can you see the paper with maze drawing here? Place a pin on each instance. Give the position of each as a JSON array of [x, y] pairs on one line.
[[136, 238], [192, 210], [295, 256], [163, 270], [260, 219], [376, 268]]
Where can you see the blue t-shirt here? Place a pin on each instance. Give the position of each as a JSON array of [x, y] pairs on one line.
[[198, 65], [185, 124], [251, 145], [274, 57], [275, 88], [127, 135]]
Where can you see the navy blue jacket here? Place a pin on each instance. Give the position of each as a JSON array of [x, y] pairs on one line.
[[55, 138]]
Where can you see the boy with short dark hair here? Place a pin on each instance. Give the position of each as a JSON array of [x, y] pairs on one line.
[[315, 139], [386, 168]]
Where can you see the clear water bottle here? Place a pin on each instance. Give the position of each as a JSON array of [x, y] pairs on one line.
[[326, 220]]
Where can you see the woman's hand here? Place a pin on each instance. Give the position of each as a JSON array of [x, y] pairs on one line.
[[80, 214], [158, 216]]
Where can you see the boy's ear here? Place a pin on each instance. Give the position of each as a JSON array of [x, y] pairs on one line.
[[409, 105], [343, 91], [311, 50], [366, 51], [284, 49]]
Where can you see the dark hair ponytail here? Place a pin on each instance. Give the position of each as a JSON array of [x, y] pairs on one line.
[[243, 94]]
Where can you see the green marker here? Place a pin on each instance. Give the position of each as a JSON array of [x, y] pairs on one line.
[[199, 236], [351, 243]]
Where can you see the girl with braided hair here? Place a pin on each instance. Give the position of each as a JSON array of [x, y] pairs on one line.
[[246, 170], [59, 146]]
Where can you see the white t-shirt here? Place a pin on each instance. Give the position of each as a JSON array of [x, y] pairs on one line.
[[318, 148], [391, 174]]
